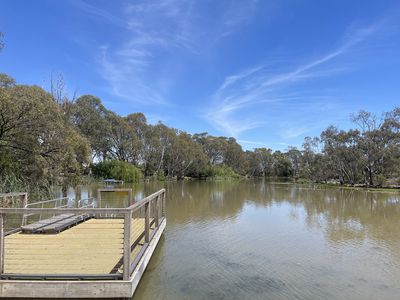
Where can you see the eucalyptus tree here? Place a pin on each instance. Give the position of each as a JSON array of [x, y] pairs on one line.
[[281, 164], [342, 150], [295, 158], [92, 119], [35, 139], [123, 141], [264, 160], [6, 81], [213, 147], [372, 143]]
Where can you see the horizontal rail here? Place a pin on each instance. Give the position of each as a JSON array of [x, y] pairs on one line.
[[12, 194], [46, 201], [34, 210], [114, 190], [145, 200], [61, 210]]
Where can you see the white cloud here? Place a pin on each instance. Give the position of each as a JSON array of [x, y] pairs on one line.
[[156, 33], [264, 87]]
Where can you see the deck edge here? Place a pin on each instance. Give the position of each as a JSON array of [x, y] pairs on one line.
[[141, 267], [82, 289]]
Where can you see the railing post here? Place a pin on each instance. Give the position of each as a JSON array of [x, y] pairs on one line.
[[98, 198], [25, 205], [163, 204], [156, 213], [130, 200], [147, 222], [1, 244], [127, 244]]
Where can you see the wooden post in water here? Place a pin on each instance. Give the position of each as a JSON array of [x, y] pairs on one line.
[[147, 222], [127, 244], [1, 244]]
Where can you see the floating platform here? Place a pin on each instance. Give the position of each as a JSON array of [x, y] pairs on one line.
[[103, 256]]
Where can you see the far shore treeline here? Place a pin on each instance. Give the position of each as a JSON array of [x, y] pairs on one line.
[[48, 139]]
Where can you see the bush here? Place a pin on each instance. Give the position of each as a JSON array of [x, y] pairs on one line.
[[222, 172], [160, 175], [117, 170], [381, 180]]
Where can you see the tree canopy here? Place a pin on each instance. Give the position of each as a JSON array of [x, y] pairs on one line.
[[50, 137]]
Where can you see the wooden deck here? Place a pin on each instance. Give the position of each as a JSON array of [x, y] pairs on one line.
[[101, 257], [92, 247]]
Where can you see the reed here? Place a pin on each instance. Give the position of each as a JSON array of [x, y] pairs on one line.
[[14, 184]]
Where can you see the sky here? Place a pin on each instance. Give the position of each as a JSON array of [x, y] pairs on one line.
[[267, 72]]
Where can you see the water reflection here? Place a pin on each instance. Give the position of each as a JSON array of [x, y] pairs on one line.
[[258, 240]]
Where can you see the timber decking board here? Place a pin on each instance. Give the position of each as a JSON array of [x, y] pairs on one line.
[[54, 224], [91, 247], [34, 226]]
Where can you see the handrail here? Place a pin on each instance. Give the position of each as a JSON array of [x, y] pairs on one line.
[[61, 210], [46, 201], [133, 207], [145, 200], [13, 194]]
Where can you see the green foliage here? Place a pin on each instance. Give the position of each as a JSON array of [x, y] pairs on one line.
[[381, 180], [117, 170], [222, 172], [160, 176], [12, 183], [49, 138], [36, 141], [6, 81]]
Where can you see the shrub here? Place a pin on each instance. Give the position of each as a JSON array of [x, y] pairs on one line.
[[117, 169], [222, 172], [381, 180]]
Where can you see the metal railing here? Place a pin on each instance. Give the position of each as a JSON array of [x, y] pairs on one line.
[[81, 243]]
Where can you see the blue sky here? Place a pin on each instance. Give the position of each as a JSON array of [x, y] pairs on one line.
[[268, 73]]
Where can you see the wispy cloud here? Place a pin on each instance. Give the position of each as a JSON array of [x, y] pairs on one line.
[[96, 12], [156, 32], [266, 86]]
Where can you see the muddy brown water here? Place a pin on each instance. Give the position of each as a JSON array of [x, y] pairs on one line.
[[253, 239]]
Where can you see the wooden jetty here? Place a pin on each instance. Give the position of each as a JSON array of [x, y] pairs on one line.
[[59, 251]]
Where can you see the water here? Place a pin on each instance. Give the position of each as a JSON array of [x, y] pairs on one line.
[[259, 240]]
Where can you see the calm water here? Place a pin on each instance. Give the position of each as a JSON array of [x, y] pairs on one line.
[[259, 240]]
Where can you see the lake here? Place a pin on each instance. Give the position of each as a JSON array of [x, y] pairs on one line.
[[257, 240]]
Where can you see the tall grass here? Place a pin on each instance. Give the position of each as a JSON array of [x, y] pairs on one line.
[[14, 184]]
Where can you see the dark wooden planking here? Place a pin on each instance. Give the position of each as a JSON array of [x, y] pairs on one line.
[[31, 228], [63, 224]]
